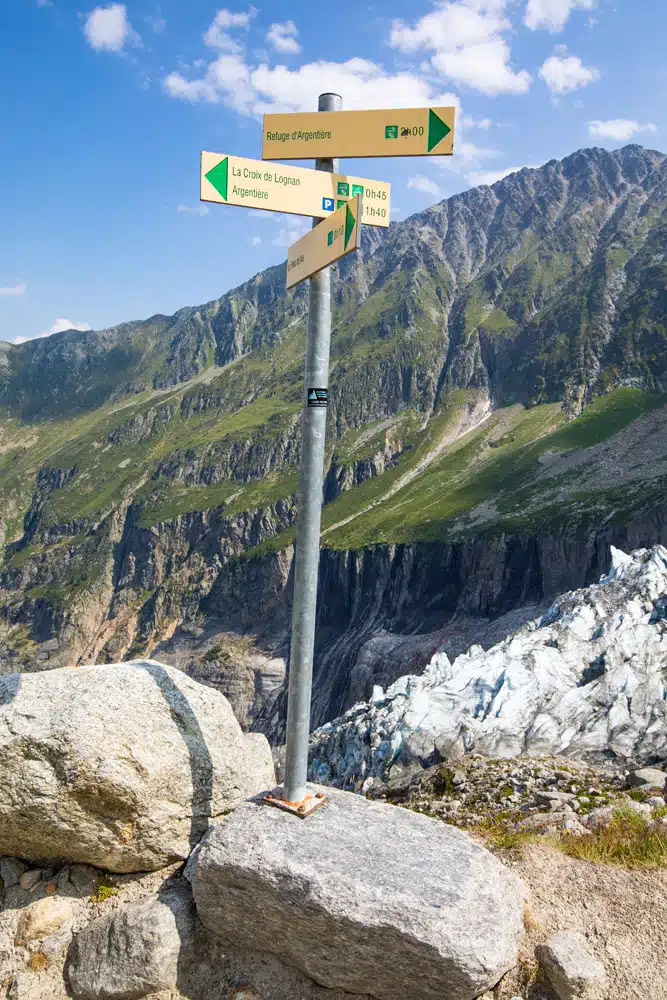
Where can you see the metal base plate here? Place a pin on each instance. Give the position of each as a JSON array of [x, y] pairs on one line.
[[301, 809]]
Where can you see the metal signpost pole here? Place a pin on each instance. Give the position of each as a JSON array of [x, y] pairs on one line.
[[310, 508]]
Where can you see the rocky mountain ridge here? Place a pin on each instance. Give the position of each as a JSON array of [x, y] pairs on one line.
[[153, 492]]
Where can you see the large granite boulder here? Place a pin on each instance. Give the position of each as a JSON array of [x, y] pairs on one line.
[[361, 896], [136, 949], [122, 766]]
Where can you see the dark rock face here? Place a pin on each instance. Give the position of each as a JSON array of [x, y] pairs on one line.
[[409, 589]]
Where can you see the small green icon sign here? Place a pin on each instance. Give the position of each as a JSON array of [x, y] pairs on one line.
[[330, 238], [391, 131], [344, 188], [357, 189], [341, 201]]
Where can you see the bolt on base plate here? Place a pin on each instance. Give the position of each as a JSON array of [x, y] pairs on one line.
[[302, 809]]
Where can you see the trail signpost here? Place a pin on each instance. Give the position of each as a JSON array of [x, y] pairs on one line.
[[236, 180], [405, 132], [324, 244], [344, 202]]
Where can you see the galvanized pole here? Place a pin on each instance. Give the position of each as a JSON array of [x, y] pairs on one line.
[[308, 524]]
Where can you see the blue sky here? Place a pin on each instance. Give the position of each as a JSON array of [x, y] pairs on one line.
[[104, 111]]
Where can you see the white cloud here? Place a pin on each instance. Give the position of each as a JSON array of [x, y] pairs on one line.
[[255, 91], [564, 74], [290, 231], [468, 155], [619, 128], [470, 122], [199, 210], [108, 28], [489, 177], [283, 37], [218, 37], [466, 39], [421, 183], [18, 289], [256, 241], [59, 326], [553, 14]]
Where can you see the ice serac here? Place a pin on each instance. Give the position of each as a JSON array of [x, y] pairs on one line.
[[121, 766], [364, 897], [588, 678]]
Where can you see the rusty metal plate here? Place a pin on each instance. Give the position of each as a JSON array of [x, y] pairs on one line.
[[301, 809]]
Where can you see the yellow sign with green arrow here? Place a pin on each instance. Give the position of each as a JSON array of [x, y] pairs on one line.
[[324, 134], [237, 180], [331, 239]]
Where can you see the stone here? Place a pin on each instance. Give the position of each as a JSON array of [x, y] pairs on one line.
[[25, 986], [572, 971], [11, 870], [401, 780], [600, 817], [647, 777], [82, 878], [30, 878], [134, 950], [122, 766], [655, 802], [559, 798], [265, 770], [42, 918], [362, 896]]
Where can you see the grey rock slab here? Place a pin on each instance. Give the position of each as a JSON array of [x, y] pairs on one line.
[[29, 879], [647, 777], [121, 766], [363, 897], [265, 770], [573, 971], [11, 870], [135, 950]]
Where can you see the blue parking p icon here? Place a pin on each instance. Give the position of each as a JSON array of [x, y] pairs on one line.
[[327, 204]]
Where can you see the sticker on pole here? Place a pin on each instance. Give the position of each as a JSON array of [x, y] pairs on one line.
[[318, 397]]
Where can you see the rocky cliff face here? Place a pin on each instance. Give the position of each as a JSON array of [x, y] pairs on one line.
[[587, 678], [162, 499]]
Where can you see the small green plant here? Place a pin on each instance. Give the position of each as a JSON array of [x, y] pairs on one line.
[[643, 794], [503, 833], [444, 782], [105, 889], [629, 841]]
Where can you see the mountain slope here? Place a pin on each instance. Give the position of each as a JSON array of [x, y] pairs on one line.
[[495, 359]]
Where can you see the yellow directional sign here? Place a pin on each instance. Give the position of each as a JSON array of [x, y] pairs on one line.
[[401, 132], [324, 244], [235, 180]]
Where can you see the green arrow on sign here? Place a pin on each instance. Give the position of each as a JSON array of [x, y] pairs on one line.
[[437, 130], [349, 224], [218, 176]]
